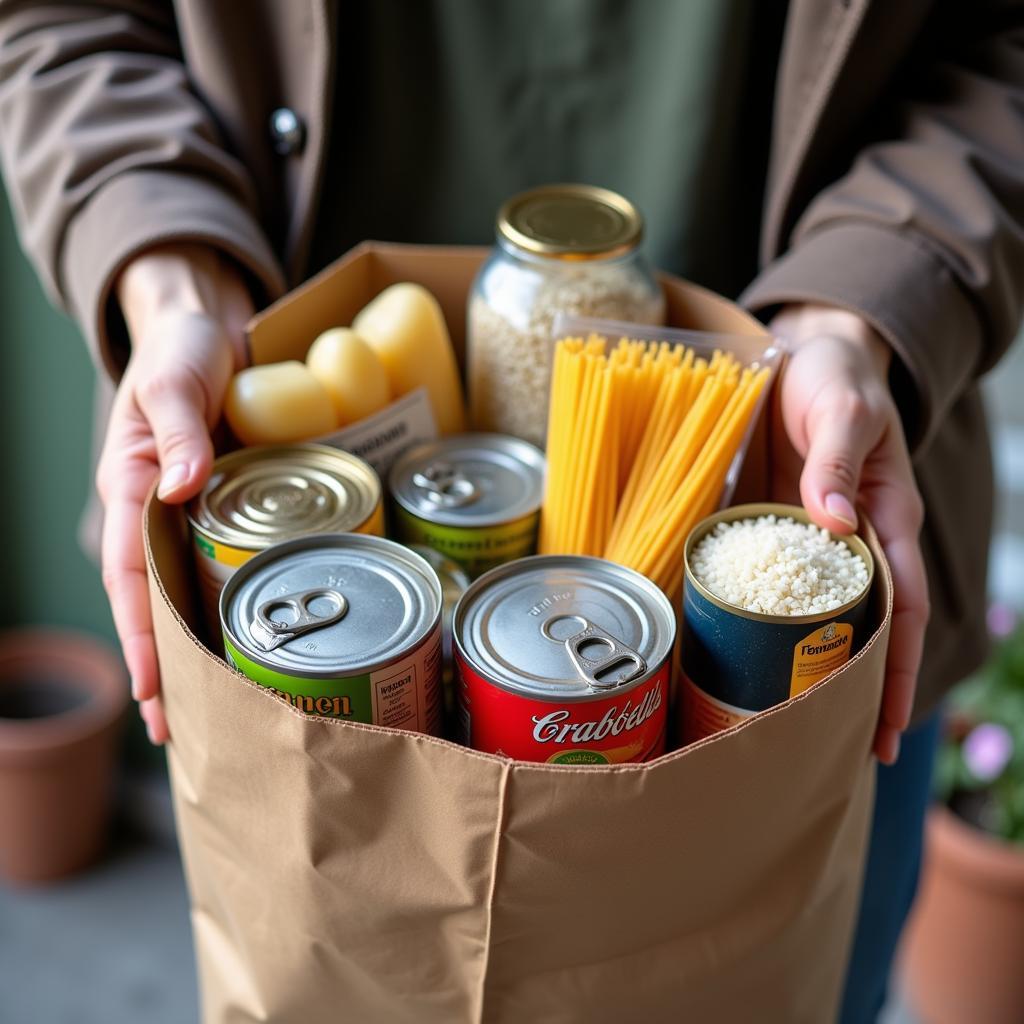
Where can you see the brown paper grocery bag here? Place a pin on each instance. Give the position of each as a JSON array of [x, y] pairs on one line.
[[341, 872], [345, 873]]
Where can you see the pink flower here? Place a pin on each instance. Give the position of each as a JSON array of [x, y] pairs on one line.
[[1001, 619], [987, 750]]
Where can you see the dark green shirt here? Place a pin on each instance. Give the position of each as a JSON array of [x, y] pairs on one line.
[[444, 108]]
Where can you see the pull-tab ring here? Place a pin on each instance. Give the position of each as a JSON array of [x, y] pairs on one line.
[[600, 659], [563, 627], [269, 634], [445, 485]]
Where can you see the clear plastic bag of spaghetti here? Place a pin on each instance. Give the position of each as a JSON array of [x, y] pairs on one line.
[[647, 432]]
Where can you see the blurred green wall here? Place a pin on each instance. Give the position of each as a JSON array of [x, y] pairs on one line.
[[46, 414]]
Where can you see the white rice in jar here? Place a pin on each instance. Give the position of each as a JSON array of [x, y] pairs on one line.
[[564, 248], [513, 340]]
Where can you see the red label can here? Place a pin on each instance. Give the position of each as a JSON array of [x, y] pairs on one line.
[[564, 660]]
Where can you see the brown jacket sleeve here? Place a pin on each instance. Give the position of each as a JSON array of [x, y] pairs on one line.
[[924, 236], [106, 150]]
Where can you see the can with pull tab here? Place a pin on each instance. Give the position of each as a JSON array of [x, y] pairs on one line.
[[564, 659], [475, 498], [737, 663], [342, 625], [258, 497]]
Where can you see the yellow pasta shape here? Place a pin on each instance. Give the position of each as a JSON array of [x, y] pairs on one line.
[[640, 440]]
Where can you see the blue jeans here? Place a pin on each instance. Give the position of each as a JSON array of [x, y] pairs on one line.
[[890, 878]]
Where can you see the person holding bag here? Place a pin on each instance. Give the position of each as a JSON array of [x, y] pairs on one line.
[[855, 169]]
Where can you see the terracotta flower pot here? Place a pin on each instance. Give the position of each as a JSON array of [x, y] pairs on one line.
[[963, 954], [62, 701]]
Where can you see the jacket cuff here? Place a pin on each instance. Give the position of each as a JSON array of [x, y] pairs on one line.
[[899, 286], [135, 211]]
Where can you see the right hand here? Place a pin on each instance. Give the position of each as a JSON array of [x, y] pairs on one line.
[[186, 307], [843, 445]]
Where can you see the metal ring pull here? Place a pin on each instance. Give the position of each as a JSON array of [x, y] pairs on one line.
[[269, 634], [613, 665], [446, 485]]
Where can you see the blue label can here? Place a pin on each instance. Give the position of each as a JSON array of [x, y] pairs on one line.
[[736, 663]]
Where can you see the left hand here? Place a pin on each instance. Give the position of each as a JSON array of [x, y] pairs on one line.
[[185, 307], [843, 445]]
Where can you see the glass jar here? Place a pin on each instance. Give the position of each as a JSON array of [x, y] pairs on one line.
[[571, 249]]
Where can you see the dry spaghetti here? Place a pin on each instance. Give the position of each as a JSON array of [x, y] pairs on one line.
[[640, 440]]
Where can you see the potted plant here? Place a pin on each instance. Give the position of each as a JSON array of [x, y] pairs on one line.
[[62, 701], [964, 950]]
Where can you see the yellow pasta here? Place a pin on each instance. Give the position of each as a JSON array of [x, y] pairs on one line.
[[693, 435], [698, 494], [640, 440], [668, 408]]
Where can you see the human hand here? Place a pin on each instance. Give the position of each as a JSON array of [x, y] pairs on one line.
[[843, 445], [186, 308]]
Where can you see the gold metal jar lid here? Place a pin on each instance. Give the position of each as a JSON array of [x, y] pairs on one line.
[[571, 222]]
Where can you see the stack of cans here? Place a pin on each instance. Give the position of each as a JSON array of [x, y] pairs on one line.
[[458, 630]]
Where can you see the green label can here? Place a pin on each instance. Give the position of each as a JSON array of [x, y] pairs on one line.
[[342, 625], [475, 498]]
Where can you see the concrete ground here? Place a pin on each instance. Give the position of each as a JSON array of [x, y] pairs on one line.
[[111, 946]]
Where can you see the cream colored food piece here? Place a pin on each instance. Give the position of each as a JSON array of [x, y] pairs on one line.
[[277, 403], [405, 327], [352, 373]]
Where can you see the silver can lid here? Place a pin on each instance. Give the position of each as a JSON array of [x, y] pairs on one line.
[[330, 605], [564, 627], [470, 480], [257, 497]]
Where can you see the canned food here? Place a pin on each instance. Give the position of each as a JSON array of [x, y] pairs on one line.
[[564, 659], [454, 583], [257, 497], [342, 625], [474, 498], [738, 662]]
